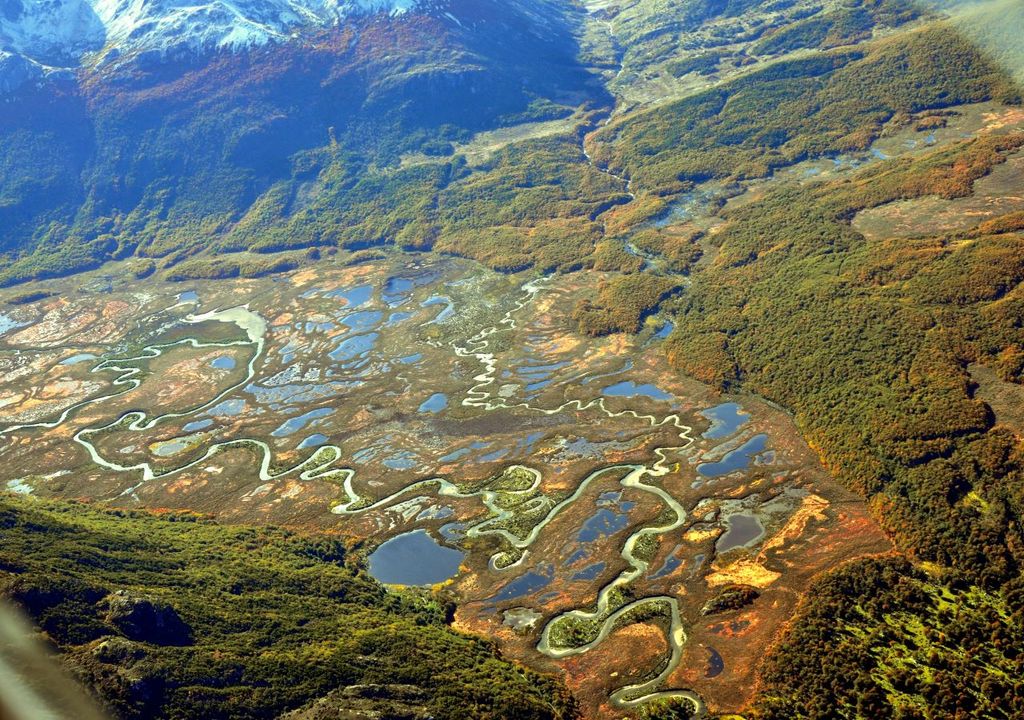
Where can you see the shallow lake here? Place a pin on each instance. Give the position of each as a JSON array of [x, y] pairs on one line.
[[362, 320], [315, 440], [75, 359], [224, 362], [526, 584], [603, 523], [738, 459], [414, 558], [725, 419], [741, 530], [590, 572], [297, 423], [629, 389], [434, 404], [353, 347], [8, 323], [353, 297]]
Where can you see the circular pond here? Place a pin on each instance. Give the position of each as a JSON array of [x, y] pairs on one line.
[[414, 558]]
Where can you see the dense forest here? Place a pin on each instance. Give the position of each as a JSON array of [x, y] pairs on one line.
[[882, 639], [176, 616], [868, 342]]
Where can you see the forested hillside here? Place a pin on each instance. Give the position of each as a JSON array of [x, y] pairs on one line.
[[176, 616]]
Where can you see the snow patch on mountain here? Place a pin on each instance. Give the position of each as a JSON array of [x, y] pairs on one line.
[[53, 32], [61, 32]]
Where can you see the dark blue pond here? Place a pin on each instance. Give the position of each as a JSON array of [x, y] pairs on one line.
[[297, 423], [414, 558], [453, 531], [603, 523], [738, 459], [526, 584], [629, 389], [434, 404], [725, 419], [741, 530], [397, 290], [224, 362], [672, 562], [589, 572], [715, 663]]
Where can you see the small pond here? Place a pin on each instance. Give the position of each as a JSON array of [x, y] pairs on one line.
[[725, 419], [8, 323], [434, 404], [79, 358], [629, 389], [738, 459], [414, 558], [224, 362], [314, 440], [297, 423], [741, 529]]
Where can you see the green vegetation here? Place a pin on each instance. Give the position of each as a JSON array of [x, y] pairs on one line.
[[167, 158], [27, 298], [881, 639], [572, 632], [868, 343], [652, 32], [667, 709], [700, 64], [179, 617], [730, 598], [795, 109], [235, 265], [848, 24], [647, 612], [621, 303], [646, 547]]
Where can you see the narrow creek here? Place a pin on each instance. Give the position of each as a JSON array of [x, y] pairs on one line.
[[322, 464]]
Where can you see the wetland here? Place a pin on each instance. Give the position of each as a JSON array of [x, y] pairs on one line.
[[576, 497]]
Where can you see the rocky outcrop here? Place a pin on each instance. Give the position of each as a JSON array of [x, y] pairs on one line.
[[366, 702], [147, 620]]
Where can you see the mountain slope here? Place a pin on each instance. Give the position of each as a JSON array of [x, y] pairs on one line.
[[279, 620], [61, 32], [167, 151], [727, 150]]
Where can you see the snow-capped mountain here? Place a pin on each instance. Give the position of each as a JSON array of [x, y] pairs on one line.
[[177, 113], [60, 32]]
